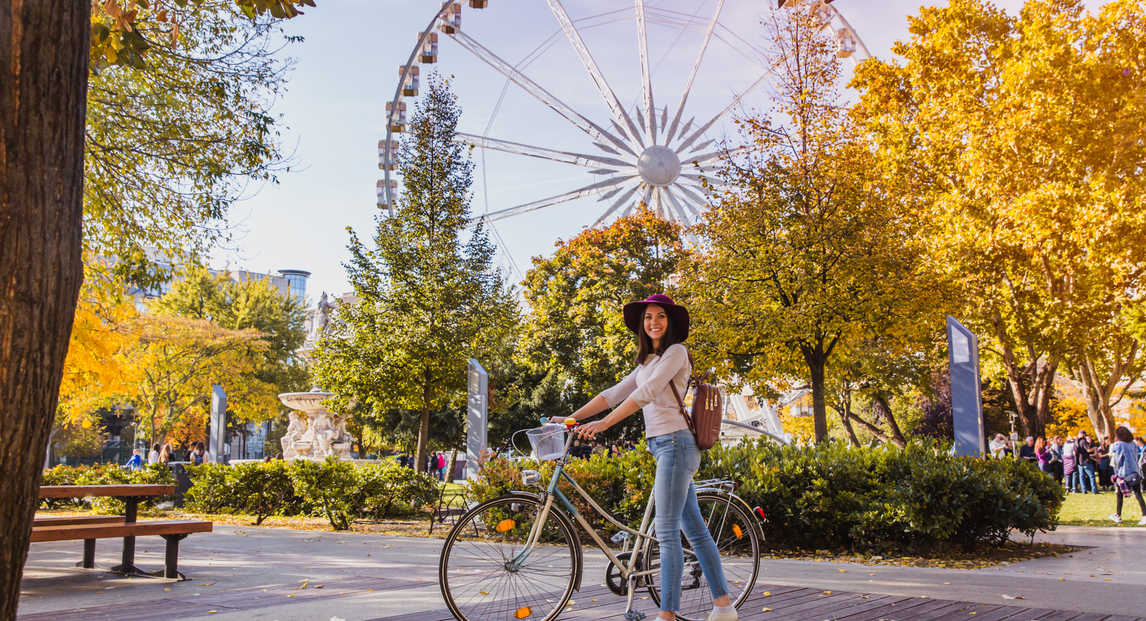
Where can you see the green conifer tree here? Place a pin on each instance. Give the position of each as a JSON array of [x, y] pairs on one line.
[[429, 295]]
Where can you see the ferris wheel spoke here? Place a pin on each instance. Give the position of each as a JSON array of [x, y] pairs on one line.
[[589, 190], [611, 164], [695, 68], [705, 158], [644, 201], [732, 104], [646, 75], [625, 196], [684, 219], [486, 55], [688, 193], [590, 64]]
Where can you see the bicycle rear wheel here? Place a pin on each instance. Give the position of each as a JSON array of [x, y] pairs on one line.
[[738, 539], [478, 577]]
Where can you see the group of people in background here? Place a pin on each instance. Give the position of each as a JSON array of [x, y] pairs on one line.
[[436, 463], [163, 454], [1087, 466]]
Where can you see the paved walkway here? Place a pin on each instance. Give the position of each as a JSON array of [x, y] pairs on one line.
[[261, 573]]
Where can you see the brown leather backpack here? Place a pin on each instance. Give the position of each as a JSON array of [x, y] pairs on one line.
[[707, 410]]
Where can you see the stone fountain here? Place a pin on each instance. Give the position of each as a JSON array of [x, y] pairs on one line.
[[317, 433]]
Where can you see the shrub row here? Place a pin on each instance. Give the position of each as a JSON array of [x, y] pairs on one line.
[[106, 474], [833, 495], [340, 491]]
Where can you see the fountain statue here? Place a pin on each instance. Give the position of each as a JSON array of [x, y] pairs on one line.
[[318, 433], [315, 433]]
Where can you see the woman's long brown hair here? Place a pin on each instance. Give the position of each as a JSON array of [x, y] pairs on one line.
[[645, 343]]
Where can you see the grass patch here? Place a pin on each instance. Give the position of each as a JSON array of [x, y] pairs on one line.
[[1092, 509]]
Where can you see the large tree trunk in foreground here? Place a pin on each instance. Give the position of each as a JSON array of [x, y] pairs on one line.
[[43, 85]]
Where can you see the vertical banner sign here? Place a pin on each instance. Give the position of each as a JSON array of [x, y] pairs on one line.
[[966, 400], [477, 419], [218, 425]]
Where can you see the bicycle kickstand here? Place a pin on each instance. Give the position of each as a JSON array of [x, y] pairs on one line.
[[630, 614]]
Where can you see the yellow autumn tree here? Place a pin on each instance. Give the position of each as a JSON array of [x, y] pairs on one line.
[[1020, 142]]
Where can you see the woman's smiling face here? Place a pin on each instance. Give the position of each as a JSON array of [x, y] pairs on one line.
[[655, 322]]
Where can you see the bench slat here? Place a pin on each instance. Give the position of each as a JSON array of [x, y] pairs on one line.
[[58, 520], [119, 529]]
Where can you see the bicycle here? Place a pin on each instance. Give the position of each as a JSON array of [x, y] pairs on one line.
[[519, 556]]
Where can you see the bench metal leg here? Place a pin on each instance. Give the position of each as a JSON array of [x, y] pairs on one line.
[[171, 566], [89, 553], [127, 564]]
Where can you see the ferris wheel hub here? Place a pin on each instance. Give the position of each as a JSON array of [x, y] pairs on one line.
[[658, 165]]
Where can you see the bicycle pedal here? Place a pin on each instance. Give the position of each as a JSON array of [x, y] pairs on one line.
[[634, 615]]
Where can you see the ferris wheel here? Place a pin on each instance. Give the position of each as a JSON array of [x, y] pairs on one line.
[[614, 157]]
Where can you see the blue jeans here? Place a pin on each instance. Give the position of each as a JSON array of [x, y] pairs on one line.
[[1087, 483], [1071, 481], [677, 511]]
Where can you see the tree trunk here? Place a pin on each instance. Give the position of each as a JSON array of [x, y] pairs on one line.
[[819, 407], [423, 440], [897, 436], [453, 464], [43, 89]]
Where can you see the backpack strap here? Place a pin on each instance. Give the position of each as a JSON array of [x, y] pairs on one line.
[[680, 402]]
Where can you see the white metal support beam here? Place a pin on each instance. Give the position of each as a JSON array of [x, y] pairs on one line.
[[586, 57]]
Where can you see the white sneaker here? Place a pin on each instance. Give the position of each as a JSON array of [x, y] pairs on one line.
[[1142, 521], [1117, 519], [723, 616]]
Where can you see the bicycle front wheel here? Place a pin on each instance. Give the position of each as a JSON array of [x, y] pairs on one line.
[[486, 573], [738, 540]]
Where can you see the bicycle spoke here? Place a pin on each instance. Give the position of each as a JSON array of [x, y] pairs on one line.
[[479, 577]]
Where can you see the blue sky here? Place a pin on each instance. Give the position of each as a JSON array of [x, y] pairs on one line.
[[347, 69]]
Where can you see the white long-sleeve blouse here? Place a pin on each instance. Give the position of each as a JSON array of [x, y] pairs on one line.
[[648, 386]]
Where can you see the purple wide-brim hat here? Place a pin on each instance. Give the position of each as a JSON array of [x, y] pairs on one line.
[[678, 315]]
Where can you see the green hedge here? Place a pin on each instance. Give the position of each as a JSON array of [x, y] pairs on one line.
[[833, 495], [340, 491], [106, 474]]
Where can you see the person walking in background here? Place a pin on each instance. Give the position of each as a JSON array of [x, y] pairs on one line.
[[998, 446], [1027, 451], [198, 454], [1084, 455], [153, 456], [1127, 474], [136, 461], [1069, 465], [1044, 455], [1104, 469], [165, 454], [1055, 448], [441, 466]]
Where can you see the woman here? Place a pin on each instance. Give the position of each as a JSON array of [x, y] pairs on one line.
[[1070, 466], [1105, 469], [1043, 454], [1127, 474], [165, 454], [661, 326], [197, 454], [153, 456]]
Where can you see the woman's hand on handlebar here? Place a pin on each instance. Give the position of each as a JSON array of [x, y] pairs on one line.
[[589, 430]]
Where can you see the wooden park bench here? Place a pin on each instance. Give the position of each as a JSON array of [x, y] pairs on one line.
[[173, 531], [92, 527]]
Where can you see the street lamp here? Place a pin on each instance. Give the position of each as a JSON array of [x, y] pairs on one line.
[[1014, 435]]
